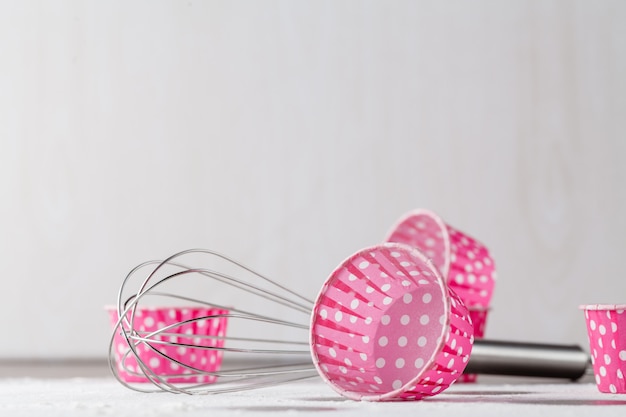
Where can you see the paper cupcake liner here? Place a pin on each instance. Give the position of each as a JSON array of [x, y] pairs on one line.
[[184, 352], [464, 262], [606, 329], [478, 315], [386, 327]]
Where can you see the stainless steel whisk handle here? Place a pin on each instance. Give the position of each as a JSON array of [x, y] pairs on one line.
[[527, 359]]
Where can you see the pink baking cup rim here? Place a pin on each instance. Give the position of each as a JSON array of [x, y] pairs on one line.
[[602, 307], [440, 341], [443, 227], [474, 286], [479, 308]]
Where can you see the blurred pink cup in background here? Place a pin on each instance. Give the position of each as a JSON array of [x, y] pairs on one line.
[[184, 352], [606, 329]]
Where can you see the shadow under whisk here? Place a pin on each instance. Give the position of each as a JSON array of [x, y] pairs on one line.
[[213, 328]]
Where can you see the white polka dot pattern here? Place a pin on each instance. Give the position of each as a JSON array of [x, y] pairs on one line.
[[411, 335], [478, 315], [464, 262], [606, 328], [168, 361]]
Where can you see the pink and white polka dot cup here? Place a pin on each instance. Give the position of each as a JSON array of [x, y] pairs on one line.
[[606, 329], [386, 327], [478, 315], [464, 262], [181, 353]]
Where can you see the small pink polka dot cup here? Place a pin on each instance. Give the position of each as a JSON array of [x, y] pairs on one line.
[[176, 343], [478, 315], [386, 327], [464, 262], [606, 329]]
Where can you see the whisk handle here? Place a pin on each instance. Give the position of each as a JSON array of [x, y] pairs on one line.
[[527, 359]]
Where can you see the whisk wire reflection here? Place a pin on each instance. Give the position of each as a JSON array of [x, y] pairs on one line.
[[137, 351]]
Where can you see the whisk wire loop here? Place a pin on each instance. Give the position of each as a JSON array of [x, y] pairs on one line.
[[135, 351]]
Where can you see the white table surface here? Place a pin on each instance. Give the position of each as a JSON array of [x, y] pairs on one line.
[[104, 396]]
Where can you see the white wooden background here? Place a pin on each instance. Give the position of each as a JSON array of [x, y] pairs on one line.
[[290, 134]]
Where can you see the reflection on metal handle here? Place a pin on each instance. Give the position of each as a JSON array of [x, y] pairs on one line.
[[527, 359]]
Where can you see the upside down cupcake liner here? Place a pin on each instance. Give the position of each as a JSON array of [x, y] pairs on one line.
[[385, 326]]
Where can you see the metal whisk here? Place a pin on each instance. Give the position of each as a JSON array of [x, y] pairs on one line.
[[179, 349], [267, 342]]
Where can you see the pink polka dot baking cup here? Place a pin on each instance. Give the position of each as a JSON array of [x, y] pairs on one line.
[[606, 329], [478, 315], [464, 262], [386, 327], [176, 344]]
